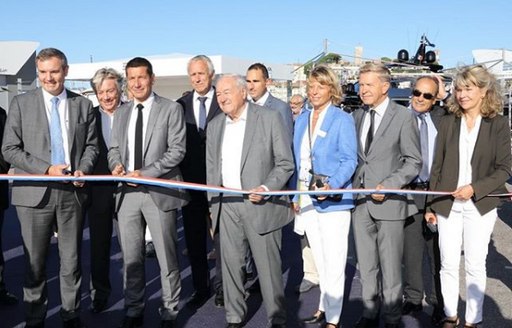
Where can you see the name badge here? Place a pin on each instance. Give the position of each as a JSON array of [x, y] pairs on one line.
[[322, 133]]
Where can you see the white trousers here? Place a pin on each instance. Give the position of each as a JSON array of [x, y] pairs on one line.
[[327, 234], [465, 226]]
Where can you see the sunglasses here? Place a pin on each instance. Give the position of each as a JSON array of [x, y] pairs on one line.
[[418, 93]]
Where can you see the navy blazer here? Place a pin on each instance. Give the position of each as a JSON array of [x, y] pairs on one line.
[[334, 154]]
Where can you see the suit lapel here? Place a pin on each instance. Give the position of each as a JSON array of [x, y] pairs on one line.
[[153, 117], [124, 121], [326, 124], [72, 108], [250, 129], [214, 109], [189, 110], [41, 116], [359, 119], [384, 124]]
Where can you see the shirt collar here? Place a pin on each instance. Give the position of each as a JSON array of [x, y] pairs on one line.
[[146, 103], [208, 95], [48, 96], [243, 116], [380, 109], [263, 99]]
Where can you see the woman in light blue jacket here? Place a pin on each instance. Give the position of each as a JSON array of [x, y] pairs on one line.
[[325, 150]]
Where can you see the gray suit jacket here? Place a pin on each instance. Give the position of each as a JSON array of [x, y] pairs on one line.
[[27, 146], [164, 149], [266, 160], [393, 160], [283, 109]]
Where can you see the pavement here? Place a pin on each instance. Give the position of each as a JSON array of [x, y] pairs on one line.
[[497, 306]]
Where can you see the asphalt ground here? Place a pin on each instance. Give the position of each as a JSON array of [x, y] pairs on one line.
[[497, 306]]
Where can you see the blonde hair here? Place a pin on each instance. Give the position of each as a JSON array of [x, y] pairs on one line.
[[479, 76], [378, 68], [325, 76]]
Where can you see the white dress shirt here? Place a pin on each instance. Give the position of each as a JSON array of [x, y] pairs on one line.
[[63, 116], [232, 145], [262, 100], [148, 103], [197, 103], [380, 110]]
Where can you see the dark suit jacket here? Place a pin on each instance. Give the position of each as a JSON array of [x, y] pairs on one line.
[[26, 143], [490, 163], [266, 160], [193, 166], [101, 166], [164, 149], [4, 167]]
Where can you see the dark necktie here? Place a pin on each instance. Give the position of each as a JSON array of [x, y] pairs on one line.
[[202, 112], [369, 136], [57, 143], [424, 175], [138, 139]]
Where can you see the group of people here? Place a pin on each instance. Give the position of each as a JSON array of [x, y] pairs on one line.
[[238, 136]]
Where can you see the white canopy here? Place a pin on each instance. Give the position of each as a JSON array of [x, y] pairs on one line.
[[14, 54]]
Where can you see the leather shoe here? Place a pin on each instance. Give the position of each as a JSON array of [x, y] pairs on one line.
[[391, 325], [7, 298], [73, 323], [131, 322], [35, 325], [411, 308], [198, 299], [219, 298], [98, 306], [305, 286], [234, 325], [167, 324], [367, 323], [315, 318], [150, 249]]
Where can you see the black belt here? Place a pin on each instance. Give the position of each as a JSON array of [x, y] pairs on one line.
[[418, 185]]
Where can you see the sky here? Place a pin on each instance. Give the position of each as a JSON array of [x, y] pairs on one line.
[[278, 31]]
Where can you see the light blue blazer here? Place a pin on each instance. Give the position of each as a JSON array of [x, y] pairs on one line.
[[334, 154]]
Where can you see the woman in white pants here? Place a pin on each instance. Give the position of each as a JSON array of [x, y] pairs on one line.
[[325, 150], [473, 158]]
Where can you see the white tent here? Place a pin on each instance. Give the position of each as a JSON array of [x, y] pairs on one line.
[[171, 71]]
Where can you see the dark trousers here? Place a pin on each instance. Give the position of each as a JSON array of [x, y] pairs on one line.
[[100, 214], [59, 207], [417, 237], [195, 226], [2, 263]]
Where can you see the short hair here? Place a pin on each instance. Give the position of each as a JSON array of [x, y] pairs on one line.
[[379, 68], [260, 67], [297, 96], [139, 62], [240, 80], [430, 78], [107, 74], [479, 76], [48, 53], [206, 59], [325, 76]]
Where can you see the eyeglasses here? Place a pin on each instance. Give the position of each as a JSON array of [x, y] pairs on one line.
[[418, 93]]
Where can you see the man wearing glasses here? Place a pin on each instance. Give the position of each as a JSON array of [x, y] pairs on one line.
[[417, 235]]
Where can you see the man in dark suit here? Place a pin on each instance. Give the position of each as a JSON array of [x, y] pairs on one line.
[[248, 149], [200, 107], [107, 85], [6, 298], [148, 140], [417, 235], [51, 131], [258, 80], [389, 157]]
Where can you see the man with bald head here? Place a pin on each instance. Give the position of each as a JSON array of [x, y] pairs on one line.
[[248, 149]]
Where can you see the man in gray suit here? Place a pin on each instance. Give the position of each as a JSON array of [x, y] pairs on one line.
[[389, 158], [248, 149], [51, 131], [148, 140], [258, 80]]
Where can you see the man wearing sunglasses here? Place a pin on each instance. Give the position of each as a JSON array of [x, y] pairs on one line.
[[417, 235]]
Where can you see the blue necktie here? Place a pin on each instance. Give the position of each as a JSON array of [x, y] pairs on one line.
[[202, 112], [57, 142], [424, 174]]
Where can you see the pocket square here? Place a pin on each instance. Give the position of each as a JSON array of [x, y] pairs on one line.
[[322, 133]]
